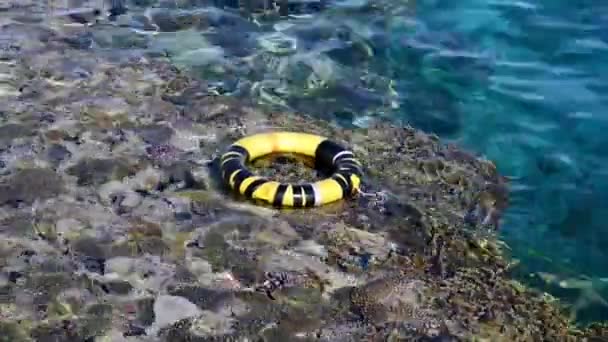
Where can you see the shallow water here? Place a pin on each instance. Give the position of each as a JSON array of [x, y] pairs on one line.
[[522, 83]]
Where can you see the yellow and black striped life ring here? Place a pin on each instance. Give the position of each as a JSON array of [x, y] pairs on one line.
[[329, 156]]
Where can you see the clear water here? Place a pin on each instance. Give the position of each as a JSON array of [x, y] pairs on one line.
[[523, 83], [540, 114]]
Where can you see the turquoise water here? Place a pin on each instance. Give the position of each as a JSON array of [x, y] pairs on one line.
[[524, 84], [540, 113]]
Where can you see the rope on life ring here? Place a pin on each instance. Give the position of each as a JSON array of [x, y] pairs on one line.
[[328, 155]]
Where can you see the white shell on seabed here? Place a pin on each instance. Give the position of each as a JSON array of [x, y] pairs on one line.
[[270, 92], [278, 43]]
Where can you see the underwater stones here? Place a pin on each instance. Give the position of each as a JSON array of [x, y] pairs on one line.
[[27, 185], [357, 241], [46, 286], [207, 326], [432, 168], [186, 140], [277, 234], [278, 43], [120, 265], [167, 20], [237, 45], [299, 74], [352, 53], [203, 203], [13, 331], [281, 281], [127, 201], [488, 207], [171, 309], [198, 267], [57, 153], [207, 58], [96, 171], [181, 94], [155, 134], [354, 330], [271, 92], [81, 15], [205, 298], [295, 322], [220, 111], [389, 298], [163, 155], [312, 248], [120, 38], [142, 227], [144, 311], [314, 272], [73, 300], [81, 40], [10, 132], [68, 227], [91, 253], [305, 7], [117, 195], [56, 136], [148, 274], [230, 21], [222, 256], [181, 174], [145, 237], [17, 225], [245, 230], [110, 107], [95, 321], [24, 37], [8, 91], [145, 180], [210, 323], [155, 211]]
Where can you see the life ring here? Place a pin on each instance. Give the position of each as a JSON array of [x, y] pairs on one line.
[[329, 156]]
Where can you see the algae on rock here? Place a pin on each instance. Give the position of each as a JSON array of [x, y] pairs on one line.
[[412, 257]]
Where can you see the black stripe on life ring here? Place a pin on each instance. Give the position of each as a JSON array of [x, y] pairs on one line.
[[230, 167], [298, 198], [344, 182], [344, 156], [309, 195], [240, 177], [253, 186], [350, 166], [279, 195], [324, 155], [240, 150]]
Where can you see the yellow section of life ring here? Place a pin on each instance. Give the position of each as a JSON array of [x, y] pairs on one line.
[[329, 156]]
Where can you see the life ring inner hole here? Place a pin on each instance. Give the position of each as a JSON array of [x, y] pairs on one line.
[[290, 168]]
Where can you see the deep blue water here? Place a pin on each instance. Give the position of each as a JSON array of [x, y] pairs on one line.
[[523, 83]]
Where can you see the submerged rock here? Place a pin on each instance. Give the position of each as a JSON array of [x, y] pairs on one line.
[[10, 132], [170, 309], [156, 134], [27, 185], [58, 153], [90, 171]]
